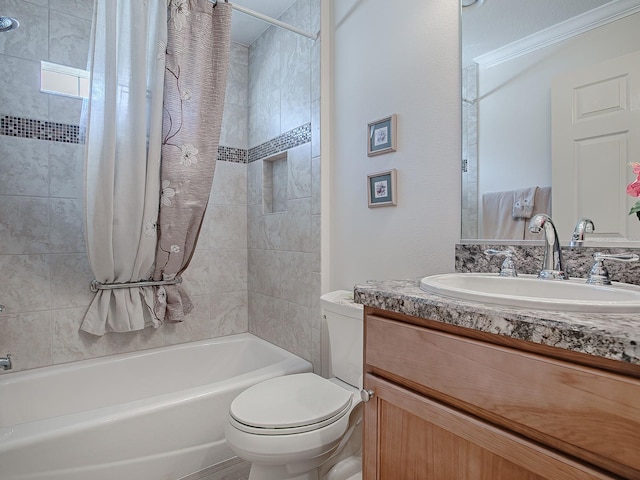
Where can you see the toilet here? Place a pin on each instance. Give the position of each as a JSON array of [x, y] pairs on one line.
[[304, 426]]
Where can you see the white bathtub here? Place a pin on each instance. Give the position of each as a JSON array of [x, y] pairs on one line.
[[152, 415]]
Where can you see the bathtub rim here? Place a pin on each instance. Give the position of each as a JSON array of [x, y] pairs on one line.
[[11, 377]]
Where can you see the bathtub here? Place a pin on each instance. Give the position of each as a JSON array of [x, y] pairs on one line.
[[153, 415]]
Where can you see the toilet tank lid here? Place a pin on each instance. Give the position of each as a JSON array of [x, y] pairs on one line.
[[341, 301]]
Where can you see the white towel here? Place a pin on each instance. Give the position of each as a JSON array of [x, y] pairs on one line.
[[523, 202], [542, 205], [497, 219]]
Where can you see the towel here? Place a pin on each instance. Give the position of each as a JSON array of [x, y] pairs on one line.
[[542, 204], [497, 220], [497, 217], [523, 202]]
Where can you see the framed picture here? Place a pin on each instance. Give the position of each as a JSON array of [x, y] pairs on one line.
[[381, 136], [381, 188]]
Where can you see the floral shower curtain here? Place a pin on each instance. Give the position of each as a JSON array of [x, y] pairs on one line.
[[143, 215], [195, 83]]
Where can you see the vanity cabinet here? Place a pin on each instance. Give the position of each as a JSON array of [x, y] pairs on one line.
[[449, 403]]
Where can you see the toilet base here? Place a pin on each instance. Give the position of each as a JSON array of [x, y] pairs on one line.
[[347, 469]]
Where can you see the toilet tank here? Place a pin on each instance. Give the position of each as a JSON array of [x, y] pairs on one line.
[[344, 320]]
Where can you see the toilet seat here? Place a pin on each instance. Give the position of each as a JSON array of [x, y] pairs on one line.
[[289, 404]]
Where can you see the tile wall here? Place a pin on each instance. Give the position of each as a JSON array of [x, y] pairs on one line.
[[470, 151], [284, 247], [45, 273]]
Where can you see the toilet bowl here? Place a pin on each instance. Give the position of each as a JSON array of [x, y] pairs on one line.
[[296, 424], [297, 427]]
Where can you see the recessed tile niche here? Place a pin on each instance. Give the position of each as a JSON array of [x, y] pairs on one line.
[[274, 188]]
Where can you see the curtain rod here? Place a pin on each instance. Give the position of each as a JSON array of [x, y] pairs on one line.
[[270, 20]]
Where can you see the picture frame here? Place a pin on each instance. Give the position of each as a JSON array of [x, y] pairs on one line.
[[382, 189], [381, 136]]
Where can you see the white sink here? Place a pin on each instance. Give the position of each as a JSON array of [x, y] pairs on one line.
[[528, 291]]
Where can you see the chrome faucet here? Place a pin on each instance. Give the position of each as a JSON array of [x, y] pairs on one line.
[[5, 362], [584, 225], [552, 264]]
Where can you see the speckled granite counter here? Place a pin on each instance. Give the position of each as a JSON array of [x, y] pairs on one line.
[[612, 336]]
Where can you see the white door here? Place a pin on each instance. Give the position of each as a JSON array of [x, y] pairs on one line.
[[595, 134]]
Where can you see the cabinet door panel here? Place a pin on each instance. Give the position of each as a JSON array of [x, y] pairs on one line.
[[587, 413], [410, 437]]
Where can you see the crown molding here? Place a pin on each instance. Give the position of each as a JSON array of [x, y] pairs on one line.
[[585, 22]]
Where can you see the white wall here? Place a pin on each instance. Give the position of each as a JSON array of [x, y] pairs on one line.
[[515, 105], [386, 59]]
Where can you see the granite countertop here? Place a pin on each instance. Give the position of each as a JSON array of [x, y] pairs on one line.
[[612, 336]]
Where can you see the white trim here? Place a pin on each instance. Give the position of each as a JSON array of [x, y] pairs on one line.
[[595, 18], [64, 69], [63, 80]]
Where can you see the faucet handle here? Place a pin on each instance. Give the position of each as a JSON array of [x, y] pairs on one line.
[[508, 268], [599, 275]]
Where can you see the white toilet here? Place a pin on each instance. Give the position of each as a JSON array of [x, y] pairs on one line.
[[304, 426]]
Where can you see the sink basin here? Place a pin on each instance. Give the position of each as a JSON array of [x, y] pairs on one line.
[[528, 291]]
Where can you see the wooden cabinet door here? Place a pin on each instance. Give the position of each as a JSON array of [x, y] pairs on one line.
[[584, 412], [410, 437]]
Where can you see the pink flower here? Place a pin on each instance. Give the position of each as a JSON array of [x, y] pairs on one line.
[[633, 189]]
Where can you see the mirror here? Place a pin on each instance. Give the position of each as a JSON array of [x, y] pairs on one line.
[[512, 51]]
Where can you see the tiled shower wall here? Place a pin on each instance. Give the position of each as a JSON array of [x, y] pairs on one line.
[[44, 271], [43, 266], [470, 151], [284, 247]]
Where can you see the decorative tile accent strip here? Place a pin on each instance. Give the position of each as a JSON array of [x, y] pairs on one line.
[[62, 132], [293, 138], [230, 154], [39, 129]]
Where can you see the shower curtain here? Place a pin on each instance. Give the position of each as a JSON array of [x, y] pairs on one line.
[[195, 84], [123, 119], [138, 56]]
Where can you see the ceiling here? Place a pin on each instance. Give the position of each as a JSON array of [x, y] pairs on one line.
[[487, 25], [245, 29], [495, 23]]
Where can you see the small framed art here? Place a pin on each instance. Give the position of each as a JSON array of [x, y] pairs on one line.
[[381, 136], [381, 188]]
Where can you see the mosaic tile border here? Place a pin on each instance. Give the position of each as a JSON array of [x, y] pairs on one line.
[[62, 132], [231, 154], [39, 129], [293, 138]]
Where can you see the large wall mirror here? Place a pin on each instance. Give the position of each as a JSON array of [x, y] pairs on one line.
[[551, 116]]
